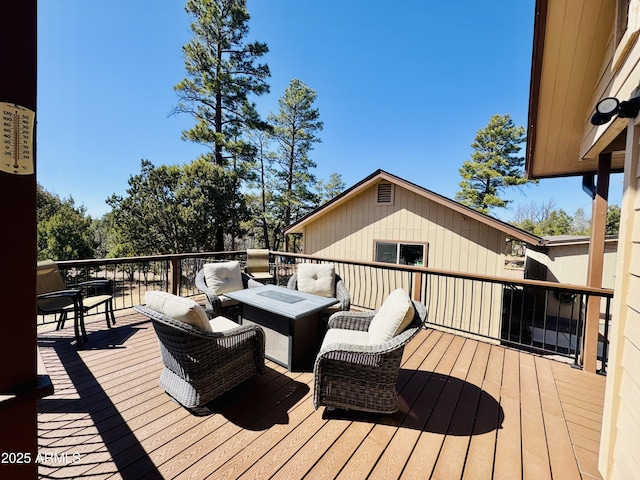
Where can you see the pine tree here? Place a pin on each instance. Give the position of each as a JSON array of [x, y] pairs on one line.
[[494, 165], [222, 72], [294, 129]]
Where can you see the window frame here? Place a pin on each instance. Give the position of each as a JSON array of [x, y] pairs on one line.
[[398, 244], [626, 30]]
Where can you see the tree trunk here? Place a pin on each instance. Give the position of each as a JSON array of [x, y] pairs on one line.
[[265, 227]]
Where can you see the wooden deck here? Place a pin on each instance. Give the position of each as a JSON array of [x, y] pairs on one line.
[[467, 410]]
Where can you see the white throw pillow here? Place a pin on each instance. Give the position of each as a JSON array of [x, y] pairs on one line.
[[318, 279], [180, 309], [223, 277], [395, 314]]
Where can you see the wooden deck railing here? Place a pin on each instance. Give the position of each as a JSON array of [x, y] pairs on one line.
[[540, 316]]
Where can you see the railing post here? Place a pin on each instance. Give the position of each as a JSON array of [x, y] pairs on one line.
[[417, 286], [596, 261], [174, 275]]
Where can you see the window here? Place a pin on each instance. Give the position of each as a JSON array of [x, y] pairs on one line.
[[622, 19], [627, 28], [401, 253]]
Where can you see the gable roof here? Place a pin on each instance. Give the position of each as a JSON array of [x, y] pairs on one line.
[[380, 175]]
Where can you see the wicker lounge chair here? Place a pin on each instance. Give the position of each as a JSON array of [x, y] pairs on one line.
[[215, 279], [312, 275], [361, 375], [200, 365], [55, 297]]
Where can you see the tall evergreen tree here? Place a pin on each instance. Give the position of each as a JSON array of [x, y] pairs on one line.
[[222, 72], [264, 159], [295, 129], [494, 165]]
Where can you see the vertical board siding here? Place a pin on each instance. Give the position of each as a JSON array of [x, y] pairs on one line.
[[454, 242], [627, 464], [622, 425]]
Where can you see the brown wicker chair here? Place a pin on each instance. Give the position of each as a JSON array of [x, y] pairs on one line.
[[341, 291], [217, 303], [200, 365], [362, 377]]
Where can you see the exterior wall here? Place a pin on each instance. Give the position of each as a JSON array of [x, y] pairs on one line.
[[569, 264], [454, 242], [617, 79], [621, 419]]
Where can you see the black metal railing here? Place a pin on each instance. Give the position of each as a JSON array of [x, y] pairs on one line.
[[544, 317], [539, 316]]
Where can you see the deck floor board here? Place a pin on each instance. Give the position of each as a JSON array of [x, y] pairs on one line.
[[467, 409]]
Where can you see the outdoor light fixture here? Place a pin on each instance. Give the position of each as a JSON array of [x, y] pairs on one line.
[[610, 106]]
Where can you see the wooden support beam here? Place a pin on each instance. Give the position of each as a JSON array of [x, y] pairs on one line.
[[596, 262], [19, 386]]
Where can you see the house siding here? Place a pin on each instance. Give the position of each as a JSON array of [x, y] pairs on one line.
[[621, 421], [454, 242], [569, 264]]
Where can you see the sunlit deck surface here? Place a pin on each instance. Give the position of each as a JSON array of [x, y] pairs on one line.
[[468, 409]]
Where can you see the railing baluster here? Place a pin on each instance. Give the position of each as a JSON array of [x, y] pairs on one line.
[[605, 340], [578, 349]]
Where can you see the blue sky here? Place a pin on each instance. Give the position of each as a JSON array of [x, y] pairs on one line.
[[402, 86]]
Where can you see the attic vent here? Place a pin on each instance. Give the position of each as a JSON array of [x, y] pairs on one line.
[[385, 194]]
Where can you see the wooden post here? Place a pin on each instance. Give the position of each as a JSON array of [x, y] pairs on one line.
[[18, 354], [417, 286], [596, 262], [174, 275]]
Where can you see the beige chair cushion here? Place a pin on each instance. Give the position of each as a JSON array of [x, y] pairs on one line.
[[223, 277], [350, 337], [395, 314], [181, 309], [222, 324], [318, 279], [226, 302]]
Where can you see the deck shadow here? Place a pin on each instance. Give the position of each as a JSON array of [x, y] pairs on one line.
[[436, 403], [259, 403], [111, 429], [111, 338]]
